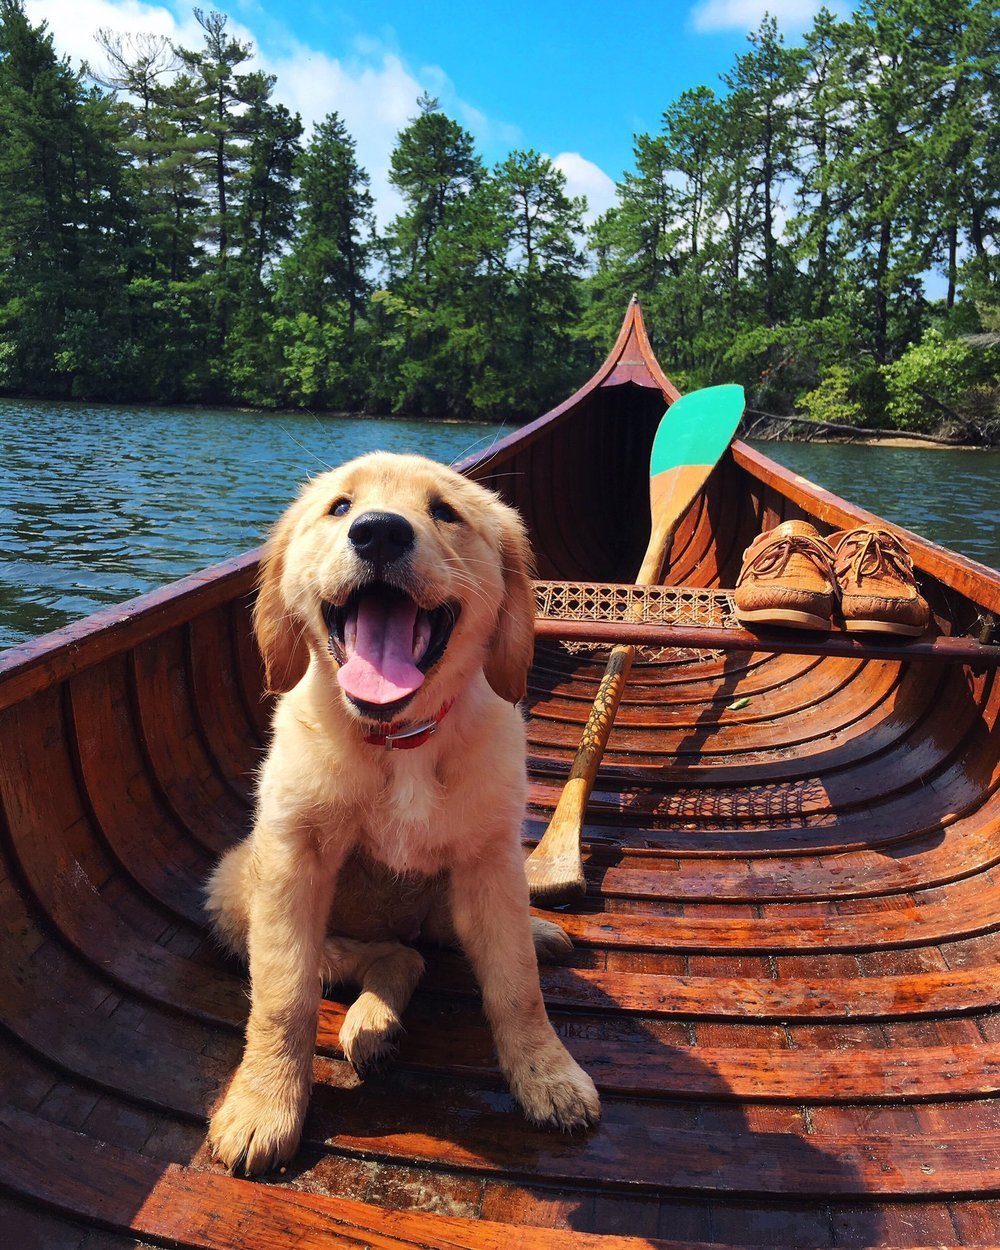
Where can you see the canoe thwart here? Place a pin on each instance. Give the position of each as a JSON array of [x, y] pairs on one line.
[[619, 602], [612, 614]]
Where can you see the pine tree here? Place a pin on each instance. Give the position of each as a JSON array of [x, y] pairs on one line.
[[631, 243], [325, 273], [221, 95], [659, 240], [823, 133], [435, 168], [322, 284], [170, 300], [543, 228], [161, 107], [960, 42], [247, 150], [760, 114], [884, 217], [67, 225], [263, 227]]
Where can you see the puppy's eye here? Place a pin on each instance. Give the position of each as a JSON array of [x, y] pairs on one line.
[[340, 507], [443, 512]]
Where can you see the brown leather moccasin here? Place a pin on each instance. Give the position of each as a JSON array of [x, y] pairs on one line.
[[787, 579], [878, 590]]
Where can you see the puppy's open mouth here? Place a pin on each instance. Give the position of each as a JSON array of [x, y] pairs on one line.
[[384, 643]]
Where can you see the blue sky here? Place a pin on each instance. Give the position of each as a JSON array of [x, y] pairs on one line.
[[574, 80]]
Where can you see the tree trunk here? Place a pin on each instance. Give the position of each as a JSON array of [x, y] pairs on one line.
[[881, 326]]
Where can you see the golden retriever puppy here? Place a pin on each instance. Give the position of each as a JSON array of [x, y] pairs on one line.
[[395, 615]]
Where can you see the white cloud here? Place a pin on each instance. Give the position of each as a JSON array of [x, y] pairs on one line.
[[371, 87], [375, 96], [374, 92], [74, 24], [791, 15], [583, 177]]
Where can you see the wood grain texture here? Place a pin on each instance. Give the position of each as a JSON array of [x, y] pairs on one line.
[[784, 978]]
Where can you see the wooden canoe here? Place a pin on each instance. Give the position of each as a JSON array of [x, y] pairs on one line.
[[784, 980]]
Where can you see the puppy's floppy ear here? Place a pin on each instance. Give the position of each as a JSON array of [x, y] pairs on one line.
[[279, 635], [513, 644]]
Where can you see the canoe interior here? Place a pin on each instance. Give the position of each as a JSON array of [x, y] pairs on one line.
[[784, 978], [603, 468]]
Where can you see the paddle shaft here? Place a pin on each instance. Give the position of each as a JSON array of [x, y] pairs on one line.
[[554, 866], [562, 836], [671, 494]]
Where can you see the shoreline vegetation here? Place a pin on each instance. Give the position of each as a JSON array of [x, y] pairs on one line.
[[767, 426], [756, 426], [822, 227]]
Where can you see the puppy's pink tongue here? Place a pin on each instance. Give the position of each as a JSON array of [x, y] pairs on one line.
[[380, 666]]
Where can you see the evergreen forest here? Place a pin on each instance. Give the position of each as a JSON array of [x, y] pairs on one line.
[[169, 233]]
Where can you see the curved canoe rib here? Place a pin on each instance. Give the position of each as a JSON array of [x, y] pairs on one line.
[[784, 979]]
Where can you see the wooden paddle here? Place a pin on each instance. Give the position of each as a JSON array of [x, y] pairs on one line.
[[693, 434]]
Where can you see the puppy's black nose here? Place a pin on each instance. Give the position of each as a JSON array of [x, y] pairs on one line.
[[381, 537]]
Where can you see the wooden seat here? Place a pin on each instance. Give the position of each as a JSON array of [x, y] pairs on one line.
[[682, 616]]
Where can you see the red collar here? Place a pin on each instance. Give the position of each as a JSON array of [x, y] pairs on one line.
[[396, 737]]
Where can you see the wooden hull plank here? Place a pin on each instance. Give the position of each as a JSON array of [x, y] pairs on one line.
[[784, 976]]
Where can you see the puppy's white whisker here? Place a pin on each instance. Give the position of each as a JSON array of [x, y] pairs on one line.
[[494, 437], [495, 477], [308, 450]]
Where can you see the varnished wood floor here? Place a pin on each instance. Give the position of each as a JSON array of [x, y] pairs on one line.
[[784, 981]]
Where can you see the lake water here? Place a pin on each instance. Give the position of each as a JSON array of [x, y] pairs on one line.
[[98, 504], [951, 496]]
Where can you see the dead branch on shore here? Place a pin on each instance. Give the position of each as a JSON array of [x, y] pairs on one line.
[[768, 425]]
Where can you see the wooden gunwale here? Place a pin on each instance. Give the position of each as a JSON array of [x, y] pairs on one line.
[[784, 980], [968, 577], [37, 665]]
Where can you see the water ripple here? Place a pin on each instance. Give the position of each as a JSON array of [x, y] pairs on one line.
[[98, 504], [949, 495]]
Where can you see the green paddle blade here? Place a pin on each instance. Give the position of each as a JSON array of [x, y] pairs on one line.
[[694, 432], [697, 428]]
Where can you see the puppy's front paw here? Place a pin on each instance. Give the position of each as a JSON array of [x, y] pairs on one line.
[[367, 1036], [259, 1122], [552, 943], [554, 1090]]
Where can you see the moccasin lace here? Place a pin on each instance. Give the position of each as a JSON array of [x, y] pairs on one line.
[[873, 553], [773, 557]]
